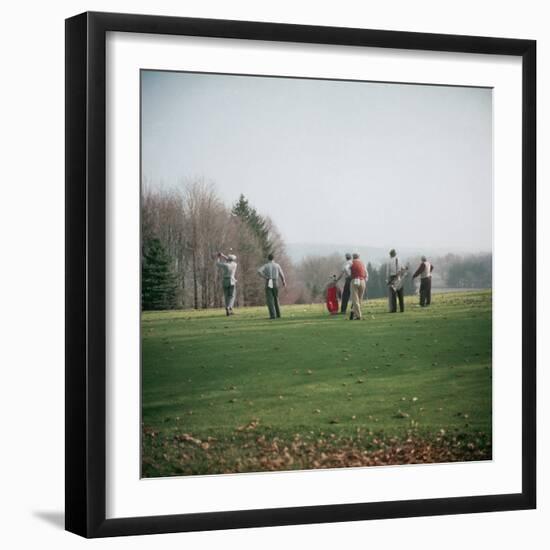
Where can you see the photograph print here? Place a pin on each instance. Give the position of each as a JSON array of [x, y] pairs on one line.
[[316, 273]]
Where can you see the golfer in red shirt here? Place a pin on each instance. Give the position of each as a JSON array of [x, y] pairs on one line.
[[359, 277]]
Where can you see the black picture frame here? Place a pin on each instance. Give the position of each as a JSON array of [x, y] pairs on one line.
[[86, 274]]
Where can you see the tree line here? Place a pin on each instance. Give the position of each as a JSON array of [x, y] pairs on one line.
[[184, 229], [470, 271]]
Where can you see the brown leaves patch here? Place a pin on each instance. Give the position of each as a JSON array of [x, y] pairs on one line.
[[190, 438], [248, 451]]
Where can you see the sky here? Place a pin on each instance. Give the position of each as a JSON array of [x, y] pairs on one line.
[[349, 163]]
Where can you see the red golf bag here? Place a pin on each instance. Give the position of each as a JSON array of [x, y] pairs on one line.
[[332, 299]]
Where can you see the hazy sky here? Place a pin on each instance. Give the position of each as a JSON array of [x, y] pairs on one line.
[[352, 163]]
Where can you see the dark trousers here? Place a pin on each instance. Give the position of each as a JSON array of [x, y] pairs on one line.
[[272, 299], [425, 291], [345, 295], [394, 296]]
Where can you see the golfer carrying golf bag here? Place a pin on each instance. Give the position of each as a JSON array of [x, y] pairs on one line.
[[395, 285]]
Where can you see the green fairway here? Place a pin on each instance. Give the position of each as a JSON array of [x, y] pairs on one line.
[[246, 393]]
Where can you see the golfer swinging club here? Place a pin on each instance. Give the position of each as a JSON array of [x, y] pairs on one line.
[[228, 267]]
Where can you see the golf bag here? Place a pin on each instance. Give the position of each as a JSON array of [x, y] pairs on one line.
[[332, 299], [397, 281]]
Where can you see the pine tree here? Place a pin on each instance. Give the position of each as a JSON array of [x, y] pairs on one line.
[[241, 208], [373, 284], [257, 223], [408, 284], [158, 282]]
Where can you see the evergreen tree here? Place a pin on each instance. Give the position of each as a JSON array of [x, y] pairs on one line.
[[408, 284], [241, 208], [255, 222], [375, 285], [158, 282]]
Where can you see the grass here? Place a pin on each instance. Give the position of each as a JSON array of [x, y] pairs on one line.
[[312, 390]]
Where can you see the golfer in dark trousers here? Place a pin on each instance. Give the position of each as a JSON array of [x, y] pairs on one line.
[[425, 271], [346, 273], [272, 272], [395, 292]]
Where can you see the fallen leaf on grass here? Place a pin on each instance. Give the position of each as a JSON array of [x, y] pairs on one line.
[[190, 439], [252, 425]]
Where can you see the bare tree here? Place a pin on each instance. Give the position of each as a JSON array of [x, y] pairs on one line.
[[193, 224]]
